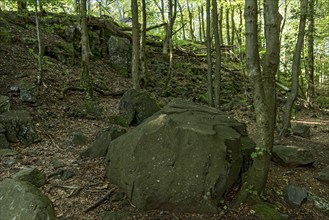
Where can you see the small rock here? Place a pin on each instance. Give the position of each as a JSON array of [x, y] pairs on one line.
[[28, 91], [292, 156], [7, 152], [57, 163], [302, 131], [4, 104], [2, 129], [320, 203], [114, 215], [62, 174], [79, 139], [324, 175], [266, 211], [295, 195], [31, 175], [4, 144]]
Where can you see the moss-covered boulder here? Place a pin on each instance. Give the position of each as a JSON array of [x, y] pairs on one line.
[[31, 175], [183, 158]]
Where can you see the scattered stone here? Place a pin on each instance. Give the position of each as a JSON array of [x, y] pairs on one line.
[[4, 144], [266, 211], [114, 215], [292, 156], [320, 203], [302, 131], [79, 139], [31, 175], [183, 158], [62, 174], [99, 147], [295, 195], [2, 129], [4, 104], [136, 106], [28, 91], [22, 200], [57, 163], [7, 152], [324, 175], [14, 89], [19, 127]]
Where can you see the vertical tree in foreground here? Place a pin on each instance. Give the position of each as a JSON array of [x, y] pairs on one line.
[[218, 54], [40, 58], [136, 46], [264, 91], [209, 60], [85, 78], [310, 56]]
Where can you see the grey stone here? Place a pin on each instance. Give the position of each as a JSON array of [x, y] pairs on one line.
[[320, 203], [120, 53], [3, 142], [99, 147], [31, 175], [57, 163], [292, 155], [2, 129], [295, 196], [79, 139], [136, 106], [22, 200], [4, 104], [63, 174], [19, 127], [324, 175], [183, 158], [302, 131], [28, 91], [7, 152]]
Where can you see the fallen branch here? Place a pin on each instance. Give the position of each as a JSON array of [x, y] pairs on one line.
[[97, 203]]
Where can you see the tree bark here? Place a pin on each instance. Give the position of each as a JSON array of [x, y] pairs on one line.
[[86, 79], [310, 60], [228, 36], [40, 55], [144, 73], [264, 91], [218, 55], [135, 45], [190, 16], [295, 69], [209, 59], [182, 19]]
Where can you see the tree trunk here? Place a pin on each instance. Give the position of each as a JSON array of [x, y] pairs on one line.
[[209, 60], [40, 55], [295, 69], [228, 36], [144, 73], [264, 92], [310, 60], [202, 23], [86, 79], [135, 47], [200, 27], [190, 16], [21, 5], [220, 24], [182, 20], [218, 54], [232, 26]]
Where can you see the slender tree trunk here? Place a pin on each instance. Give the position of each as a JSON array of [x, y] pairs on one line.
[[135, 43], [220, 24], [295, 69], [182, 19], [264, 91], [21, 5], [86, 79], [218, 54], [233, 32], [202, 23], [200, 26], [209, 60], [144, 73], [40, 55], [228, 36], [310, 60], [190, 16]]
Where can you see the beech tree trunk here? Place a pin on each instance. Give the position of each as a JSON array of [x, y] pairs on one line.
[[218, 77], [264, 91], [209, 59], [310, 60], [86, 79], [136, 46], [295, 69], [144, 73]]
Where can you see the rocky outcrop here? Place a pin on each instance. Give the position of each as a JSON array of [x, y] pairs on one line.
[[183, 158], [292, 156]]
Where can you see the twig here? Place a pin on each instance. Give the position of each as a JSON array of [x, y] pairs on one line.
[[97, 203], [52, 141]]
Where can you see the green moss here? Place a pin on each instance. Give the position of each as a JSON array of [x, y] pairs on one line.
[[266, 211], [119, 120]]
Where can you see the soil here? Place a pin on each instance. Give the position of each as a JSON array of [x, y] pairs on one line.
[[58, 119]]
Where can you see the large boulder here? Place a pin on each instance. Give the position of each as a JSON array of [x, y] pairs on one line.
[[120, 53], [19, 127], [22, 200], [183, 158], [292, 156], [136, 106]]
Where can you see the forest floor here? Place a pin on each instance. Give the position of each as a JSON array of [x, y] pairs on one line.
[[58, 119]]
